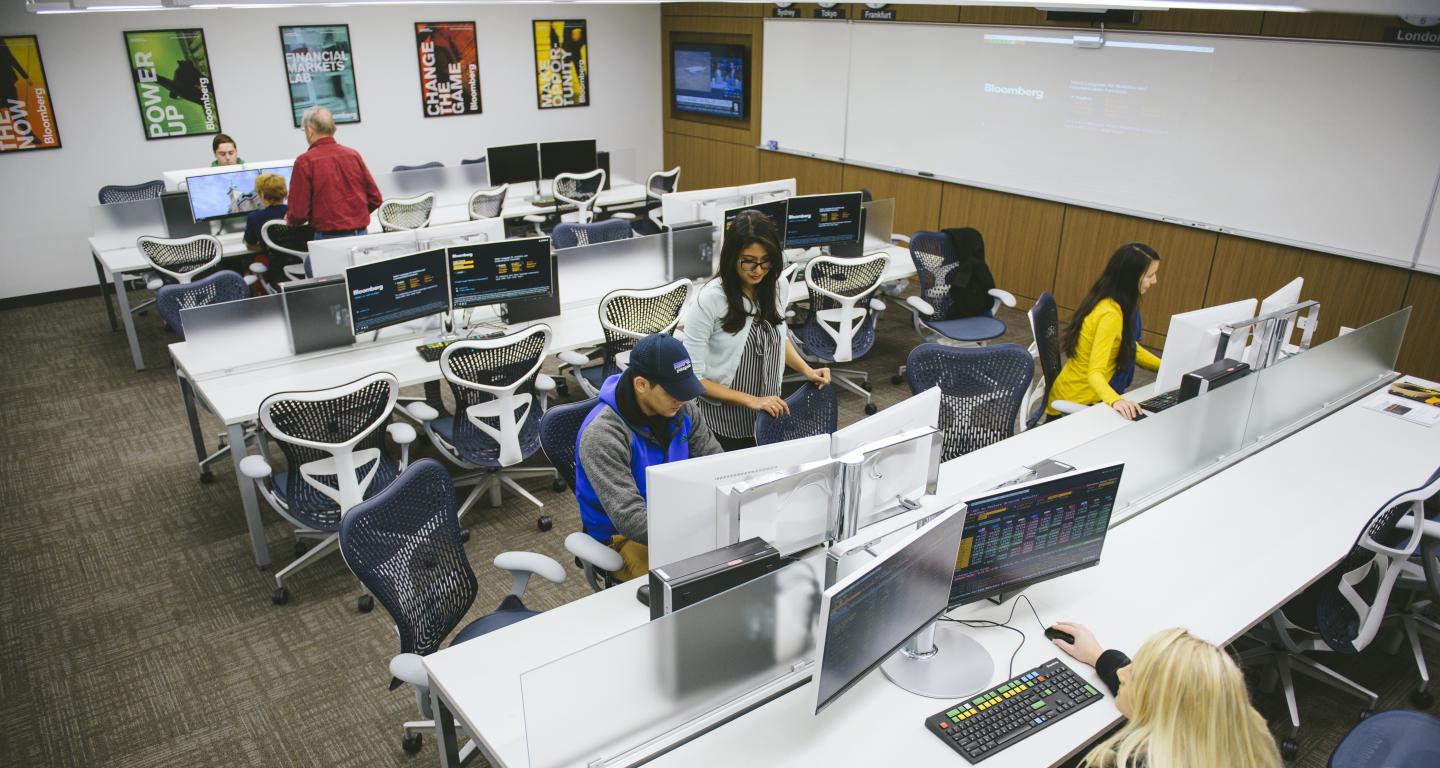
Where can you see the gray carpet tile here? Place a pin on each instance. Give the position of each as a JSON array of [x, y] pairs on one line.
[[136, 631]]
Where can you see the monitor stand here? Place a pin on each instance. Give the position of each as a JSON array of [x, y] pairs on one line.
[[940, 662]]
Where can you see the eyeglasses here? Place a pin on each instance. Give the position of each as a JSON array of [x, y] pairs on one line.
[[751, 265]]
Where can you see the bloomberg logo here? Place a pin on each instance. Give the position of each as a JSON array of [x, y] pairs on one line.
[[1015, 90]]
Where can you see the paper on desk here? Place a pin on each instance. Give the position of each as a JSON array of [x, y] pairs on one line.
[[1411, 398]]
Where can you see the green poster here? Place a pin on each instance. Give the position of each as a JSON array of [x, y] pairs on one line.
[[171, 71]]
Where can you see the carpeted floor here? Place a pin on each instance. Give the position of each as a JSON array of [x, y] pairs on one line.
[[136, 631]]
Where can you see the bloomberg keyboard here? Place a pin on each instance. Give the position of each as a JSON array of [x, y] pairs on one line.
[[1160, 402], [996, 719], [431, 352]]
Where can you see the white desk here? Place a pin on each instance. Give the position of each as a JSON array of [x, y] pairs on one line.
[[1216, 559]]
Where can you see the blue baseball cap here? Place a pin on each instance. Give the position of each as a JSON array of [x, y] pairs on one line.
[[662, 359]]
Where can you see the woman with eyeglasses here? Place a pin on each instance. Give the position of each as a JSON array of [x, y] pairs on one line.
[[735, 333]]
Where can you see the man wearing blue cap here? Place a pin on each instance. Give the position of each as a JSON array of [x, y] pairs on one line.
[[645, 417]]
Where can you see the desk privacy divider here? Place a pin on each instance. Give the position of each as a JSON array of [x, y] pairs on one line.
[[117, 225], [661, 684], [236, 333], [588, 272]]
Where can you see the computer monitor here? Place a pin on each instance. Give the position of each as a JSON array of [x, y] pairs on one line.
[[792, 509], [1287, 296], [178, 220], [681, 497], [866, 616], [685, 207], [1026, 534], [397, 290], [513, 164], [814, 220], [774, 211], [921, 410], [767, 191], [482, 274], [461, 233], [557, 157], [691, 254], [1192, 338], [228, 195], [316, 313]]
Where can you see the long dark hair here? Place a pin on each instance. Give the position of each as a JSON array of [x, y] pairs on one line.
[[749, 227], [1120, 281]]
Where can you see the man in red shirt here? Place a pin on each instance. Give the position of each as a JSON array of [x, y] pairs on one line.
[[330, 187]]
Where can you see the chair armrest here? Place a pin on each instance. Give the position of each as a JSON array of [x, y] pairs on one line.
[[920, 305], [422, 412], [544, 382], [593, 552], [877, 305], [572, 357], [1007, 298], [410, 668], [531, 562], [626, 215], [535, 218], [258, 268], [153, 284], [402, 433], [255, 467], [250, 279], [899, 239], [1065, 406]]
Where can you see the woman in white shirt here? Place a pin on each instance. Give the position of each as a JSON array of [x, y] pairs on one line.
[[735, 333]]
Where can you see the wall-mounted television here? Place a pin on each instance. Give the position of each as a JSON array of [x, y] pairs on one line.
[[710, 79]]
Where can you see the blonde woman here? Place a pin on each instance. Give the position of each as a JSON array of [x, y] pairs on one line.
[[1184, 701]]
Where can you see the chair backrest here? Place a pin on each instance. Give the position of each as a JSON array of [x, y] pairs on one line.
[[580, 190], [472, 161], [403, 213], [495, 420], [404, 545], [420, 167], [558, 429], [1045, 327], [130, 193], [840, 293], [813, 411], [280, 237], [487, 203], [981, 391], [934, 258], [628, 315], [662, 182], [216, 288], [568, 234], [180, 258], [1398, 738], [333, 444]]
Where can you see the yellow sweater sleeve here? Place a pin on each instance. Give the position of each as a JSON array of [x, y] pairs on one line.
[[1146, 359], [1107, 336]]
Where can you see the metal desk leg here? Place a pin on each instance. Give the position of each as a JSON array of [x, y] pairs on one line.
[[444, 732], [118, 280], [236, 436], [104, 290], [187, 395]]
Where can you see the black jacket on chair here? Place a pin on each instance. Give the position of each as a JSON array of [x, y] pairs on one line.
[[970, 281]]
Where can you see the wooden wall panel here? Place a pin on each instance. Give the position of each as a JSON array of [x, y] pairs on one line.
[[716, 29], [1420, 355], [1351, 292], [1186, 254], [1207, 22], [917, 201], [1022, 235], [1247, 269], [705, 163], [812, 176], [1328, 26]]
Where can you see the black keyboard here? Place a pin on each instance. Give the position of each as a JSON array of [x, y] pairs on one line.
[[431, 352], [992, 721], [1159, 403]]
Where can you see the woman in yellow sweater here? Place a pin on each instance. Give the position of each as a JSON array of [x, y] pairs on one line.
[[1103, 341]]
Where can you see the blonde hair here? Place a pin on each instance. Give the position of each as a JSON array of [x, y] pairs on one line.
[[1190, 710], [270, 187]]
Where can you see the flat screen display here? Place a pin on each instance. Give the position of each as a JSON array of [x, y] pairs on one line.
[[709, 79], [508, 270], [226, 195], [822, 220], [557, 157], [513, 164], [397, 290], [775, 211]]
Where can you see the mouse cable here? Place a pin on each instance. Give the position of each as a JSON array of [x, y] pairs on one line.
[[988, 624]]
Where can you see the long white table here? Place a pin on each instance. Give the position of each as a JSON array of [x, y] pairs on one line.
[[1216, 558]]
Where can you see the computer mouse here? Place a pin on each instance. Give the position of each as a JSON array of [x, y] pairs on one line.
[[1141, 416], [1052, 633], [643, 594]]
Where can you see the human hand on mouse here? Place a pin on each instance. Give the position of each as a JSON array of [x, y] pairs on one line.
[[1086, 649]]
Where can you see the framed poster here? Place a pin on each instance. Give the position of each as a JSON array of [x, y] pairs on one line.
[[320, 69], [173, 86], [562, 64], [449, 68], [27, 116]]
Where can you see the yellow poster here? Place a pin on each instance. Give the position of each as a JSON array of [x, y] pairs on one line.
[[562, 64]]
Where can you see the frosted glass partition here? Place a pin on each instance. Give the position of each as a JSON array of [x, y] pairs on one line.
[[1323, 377], [233, 334], [588, 272], [666, 680], [1171, 450], [452, 184], [623, 168], [117, 225]]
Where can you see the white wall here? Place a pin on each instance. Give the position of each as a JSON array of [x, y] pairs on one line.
[[45, 196]]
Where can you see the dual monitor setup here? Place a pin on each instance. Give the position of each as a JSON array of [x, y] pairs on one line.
[[811, 221], [534, 162]]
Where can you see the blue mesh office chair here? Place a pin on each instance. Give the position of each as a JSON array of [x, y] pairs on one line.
[[1045, 328], [568, 234], [559, 429], [420, 167], [627, 316], [840, 325], [981, 391], [216, 288], [496, 422], [131, 193], [813, 411], [934, 258], [404, 545], [472, 161], [1394, 739]]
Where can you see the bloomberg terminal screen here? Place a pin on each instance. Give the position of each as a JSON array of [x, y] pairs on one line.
[[507, 270], [822, 220], [397, 290]]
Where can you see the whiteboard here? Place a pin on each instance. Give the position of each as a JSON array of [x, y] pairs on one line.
[[1429, 259], [1323, 145], [803, 102]]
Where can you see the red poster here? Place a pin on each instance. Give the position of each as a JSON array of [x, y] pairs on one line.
[[449, 68]]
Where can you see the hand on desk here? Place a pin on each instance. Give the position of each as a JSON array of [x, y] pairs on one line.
[[1086, 649]]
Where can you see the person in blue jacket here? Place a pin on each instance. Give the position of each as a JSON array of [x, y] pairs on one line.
[[645, 417]]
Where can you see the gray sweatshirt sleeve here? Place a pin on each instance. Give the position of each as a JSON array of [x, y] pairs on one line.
[[605, 453], [702, 440]]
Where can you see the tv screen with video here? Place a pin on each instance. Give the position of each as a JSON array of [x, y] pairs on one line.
[[709, 79]]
